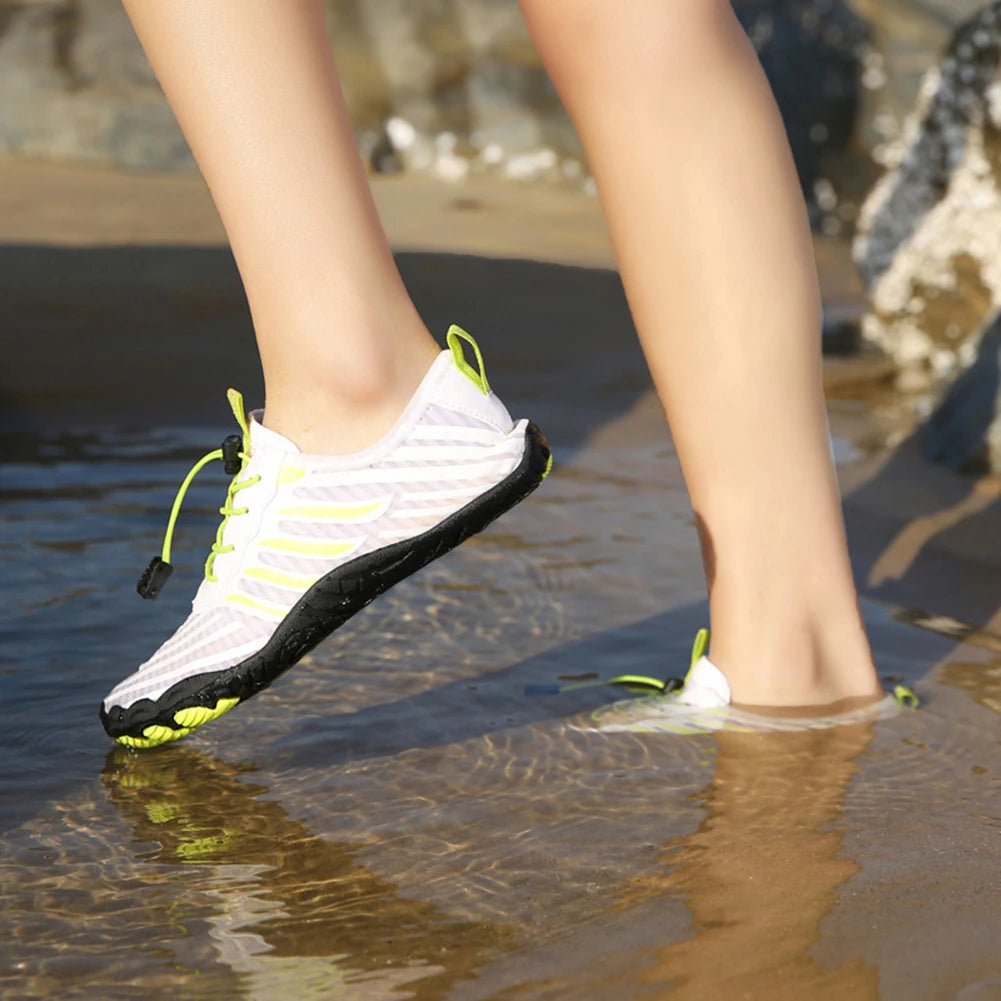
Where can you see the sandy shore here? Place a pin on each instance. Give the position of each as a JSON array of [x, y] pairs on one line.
[[82, 206], [77, 206], [113, 282], [111, 259]]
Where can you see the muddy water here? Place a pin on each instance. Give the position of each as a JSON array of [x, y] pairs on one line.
[[396, 818]]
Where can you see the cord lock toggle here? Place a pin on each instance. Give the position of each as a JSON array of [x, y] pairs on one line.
[[153, 578], [231, 460]]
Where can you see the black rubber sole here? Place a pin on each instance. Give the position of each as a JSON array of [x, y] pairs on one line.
[[326, 606]]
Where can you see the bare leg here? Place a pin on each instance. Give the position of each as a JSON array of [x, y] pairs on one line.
[[254, 87], [344, 352], [697, 181]]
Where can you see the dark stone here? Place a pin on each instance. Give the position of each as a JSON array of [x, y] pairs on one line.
[[841, 337], [811, 53]]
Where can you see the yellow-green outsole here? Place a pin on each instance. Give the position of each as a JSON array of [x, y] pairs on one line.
[[186, 719]]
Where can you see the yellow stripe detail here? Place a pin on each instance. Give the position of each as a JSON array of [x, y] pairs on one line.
[[242, 599], [162, 813], [289, 474], [210, 845], [282, 579], [341, 513], [309, 548]]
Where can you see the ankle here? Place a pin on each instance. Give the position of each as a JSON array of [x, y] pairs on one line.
[[349, 405], [794, 652]]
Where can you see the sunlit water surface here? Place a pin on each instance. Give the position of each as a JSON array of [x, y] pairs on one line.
[[397, 819]]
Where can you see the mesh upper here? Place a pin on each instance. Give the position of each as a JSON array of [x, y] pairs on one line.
[[309, 514]]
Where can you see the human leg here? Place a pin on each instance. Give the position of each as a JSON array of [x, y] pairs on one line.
[[706, 216], [426, 454], [254, 86]]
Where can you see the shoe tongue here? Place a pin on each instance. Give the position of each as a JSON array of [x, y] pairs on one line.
[[705, 686], [262, 438]]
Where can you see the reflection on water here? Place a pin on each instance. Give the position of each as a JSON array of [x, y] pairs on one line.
[[296, 915], [979, 679], [758, 877], [771, 836], [414, 826]]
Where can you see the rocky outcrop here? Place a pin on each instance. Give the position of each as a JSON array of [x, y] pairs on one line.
[[443, 85], [929, 242], [75, 84], [458, 78]]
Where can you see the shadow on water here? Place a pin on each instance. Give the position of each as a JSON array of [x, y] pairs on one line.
[[922, 537], [470, 708]]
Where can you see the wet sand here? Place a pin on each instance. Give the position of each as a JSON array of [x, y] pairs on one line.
[[395, 818], [103, 269]]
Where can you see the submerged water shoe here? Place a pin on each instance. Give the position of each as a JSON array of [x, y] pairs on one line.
[[701, 704], [306, 541]]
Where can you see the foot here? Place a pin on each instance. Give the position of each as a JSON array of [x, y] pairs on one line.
[[703, 704], [308, 540]]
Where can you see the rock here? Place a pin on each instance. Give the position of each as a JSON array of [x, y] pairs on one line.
[[75, 84], [811, 52], [929, 240], [905, 39]]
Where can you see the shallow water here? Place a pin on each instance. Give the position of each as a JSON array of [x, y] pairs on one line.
[[396, 818]]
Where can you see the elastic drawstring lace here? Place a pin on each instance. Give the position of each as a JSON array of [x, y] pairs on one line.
[[235, 458], [632, 682]]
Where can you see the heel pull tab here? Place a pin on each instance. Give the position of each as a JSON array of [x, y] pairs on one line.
[[477, 376], [699, 647], [236, 405]]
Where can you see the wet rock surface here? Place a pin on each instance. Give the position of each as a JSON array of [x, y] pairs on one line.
[[929, 246]]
